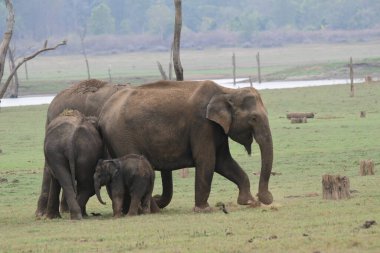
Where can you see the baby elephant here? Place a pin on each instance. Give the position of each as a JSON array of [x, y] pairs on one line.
[[129, 180]]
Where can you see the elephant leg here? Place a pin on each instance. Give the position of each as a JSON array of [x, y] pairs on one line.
[[44, 195], [126, 203], [167, 189], [64, 208], [153, 206], [145, 203], [134, 207], [230, 169], [52, 208], [64, 178], [117, 203], [82, 198]]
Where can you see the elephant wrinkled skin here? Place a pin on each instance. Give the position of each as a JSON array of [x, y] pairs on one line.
[[187, 124]]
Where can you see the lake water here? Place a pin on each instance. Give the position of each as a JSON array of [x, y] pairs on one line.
[[39, 100]]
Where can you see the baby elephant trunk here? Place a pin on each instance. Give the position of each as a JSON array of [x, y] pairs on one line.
[[97, 192]]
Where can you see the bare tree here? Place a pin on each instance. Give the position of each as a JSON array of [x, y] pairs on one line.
[[82, 35], [7, 36], [25, 59]]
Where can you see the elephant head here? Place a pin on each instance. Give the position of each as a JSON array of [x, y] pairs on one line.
[[243, 117], [104, 172]]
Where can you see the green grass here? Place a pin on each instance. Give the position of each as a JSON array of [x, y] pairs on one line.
[[48, 74], [333, 142]]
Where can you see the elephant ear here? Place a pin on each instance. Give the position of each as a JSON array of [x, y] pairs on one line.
[[219, 111]]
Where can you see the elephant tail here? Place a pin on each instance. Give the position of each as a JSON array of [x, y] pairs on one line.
[[72, 159]]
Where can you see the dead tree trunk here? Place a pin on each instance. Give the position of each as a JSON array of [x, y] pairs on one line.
[[352, 89], [13, 91], [335, 187], [367, 167], [26, 71], [162, 71], [7, 37], [177, 40], [82, 36]]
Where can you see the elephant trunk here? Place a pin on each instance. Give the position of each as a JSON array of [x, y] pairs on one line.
[[97, 192], [266, 149]]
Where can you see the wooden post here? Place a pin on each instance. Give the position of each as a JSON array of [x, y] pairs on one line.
[[250, 81], [335, 187], [258, 67], [352, 93], [367, 167], [234, 68]]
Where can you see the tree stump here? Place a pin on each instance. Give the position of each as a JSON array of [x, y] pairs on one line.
[[367, 167], [335, 187], [362, 114], [298, 120]]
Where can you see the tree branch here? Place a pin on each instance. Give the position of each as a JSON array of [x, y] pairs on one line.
[[45, 48]]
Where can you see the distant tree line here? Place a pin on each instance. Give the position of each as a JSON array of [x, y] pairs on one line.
[[40, 19]]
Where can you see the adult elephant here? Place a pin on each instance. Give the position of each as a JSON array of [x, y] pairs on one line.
[[87, 97], [187, 124]]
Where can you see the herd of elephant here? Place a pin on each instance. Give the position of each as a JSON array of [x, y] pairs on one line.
[[99, 134]]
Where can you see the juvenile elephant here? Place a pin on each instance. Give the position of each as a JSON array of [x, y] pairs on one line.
[[87, 97], [130, 179], [187, 124], [72, 148]]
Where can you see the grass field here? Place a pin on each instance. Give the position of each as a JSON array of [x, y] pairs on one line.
[[299, 220], [48, 74]]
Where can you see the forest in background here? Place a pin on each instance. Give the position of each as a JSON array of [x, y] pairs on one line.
[[134, 25]]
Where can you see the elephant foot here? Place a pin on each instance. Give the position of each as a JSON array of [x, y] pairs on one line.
[[265, 197], [117, 215], [76, 216], [53, 216], [153, 206], [246, 199], [39, 214], [206, 209]]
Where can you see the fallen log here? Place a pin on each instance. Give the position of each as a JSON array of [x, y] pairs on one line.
[[298, 120], [300, 115]]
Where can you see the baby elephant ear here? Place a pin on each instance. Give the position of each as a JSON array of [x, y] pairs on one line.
[[219, 111]]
